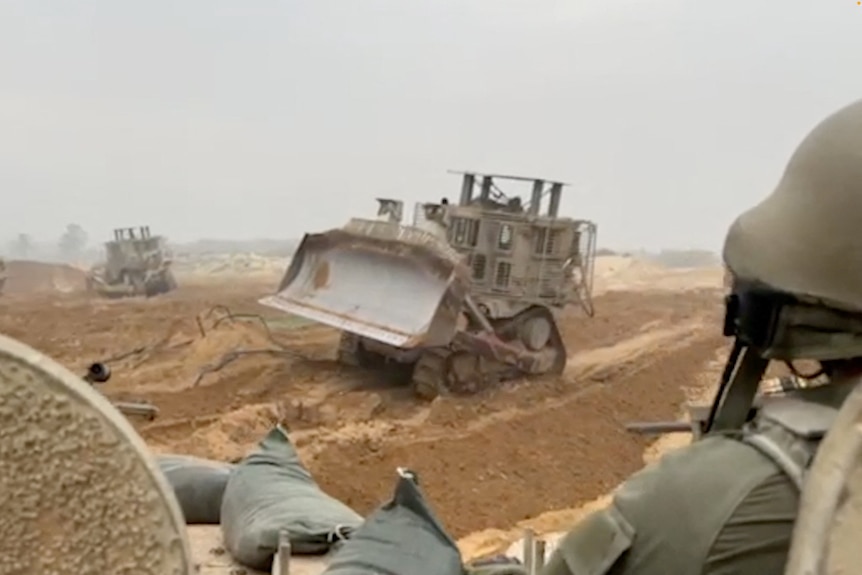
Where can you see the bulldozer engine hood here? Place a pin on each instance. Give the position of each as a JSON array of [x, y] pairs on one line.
[[400, 289]]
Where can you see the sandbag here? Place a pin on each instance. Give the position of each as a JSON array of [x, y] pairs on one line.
[[271, 490], [402, 537], [198, 484]]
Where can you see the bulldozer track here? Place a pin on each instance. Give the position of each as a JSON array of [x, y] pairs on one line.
[[429, 373], [348, 350], [460, 370], [467, 373], [509, 329]]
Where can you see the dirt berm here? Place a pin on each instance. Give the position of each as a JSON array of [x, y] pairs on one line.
[[28, 277]]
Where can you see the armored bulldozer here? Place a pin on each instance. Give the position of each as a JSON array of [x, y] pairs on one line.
[[466, 296], [137, 263]]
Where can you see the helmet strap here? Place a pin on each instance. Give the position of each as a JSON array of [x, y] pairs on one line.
[[735, 397], [750, 318]]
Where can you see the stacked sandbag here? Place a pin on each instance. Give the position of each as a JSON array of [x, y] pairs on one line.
[[198, 484], [271, 490], [403, 537]]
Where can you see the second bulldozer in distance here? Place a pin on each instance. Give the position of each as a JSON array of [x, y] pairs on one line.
[[466, 296], [137, 263]]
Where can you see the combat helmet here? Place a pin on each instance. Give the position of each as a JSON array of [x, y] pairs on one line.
[[795, 260], [804, 238]]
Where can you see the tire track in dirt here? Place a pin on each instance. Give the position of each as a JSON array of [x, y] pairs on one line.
[[451, 418], [554, 523], [341, 404], [552, 458]]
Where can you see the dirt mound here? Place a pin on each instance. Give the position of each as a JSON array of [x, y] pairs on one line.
[[552, 525], [28, 277], [229, 438], [557, 455], [194, 352], [617, 273]]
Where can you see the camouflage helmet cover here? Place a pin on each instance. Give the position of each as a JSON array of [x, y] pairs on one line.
[[805, 238]]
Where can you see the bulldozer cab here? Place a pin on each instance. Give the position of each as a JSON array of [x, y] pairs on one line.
[[520, 252], [135, 249], [136, 263]]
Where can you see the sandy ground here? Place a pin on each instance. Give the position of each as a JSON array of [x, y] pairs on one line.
[[531, 453]]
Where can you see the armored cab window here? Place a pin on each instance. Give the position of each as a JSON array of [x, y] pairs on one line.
[[505, 237], [472, 233], [539, 240], [464, 232], [546, 241], [552, 242], [478, 263], [504, 272]]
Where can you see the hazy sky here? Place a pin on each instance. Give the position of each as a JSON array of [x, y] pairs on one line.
[[245, 119]]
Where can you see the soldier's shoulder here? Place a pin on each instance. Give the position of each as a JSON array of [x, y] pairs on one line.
[[695, 473], [686, 496]]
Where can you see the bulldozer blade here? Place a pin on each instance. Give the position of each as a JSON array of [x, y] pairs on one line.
[[395, 290]]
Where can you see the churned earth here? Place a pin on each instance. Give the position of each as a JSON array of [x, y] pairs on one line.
[[222, 369]]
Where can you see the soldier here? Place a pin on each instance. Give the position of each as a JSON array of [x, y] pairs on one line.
[[727, 503]]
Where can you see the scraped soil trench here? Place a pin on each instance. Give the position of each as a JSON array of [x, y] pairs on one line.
[[221, 376]]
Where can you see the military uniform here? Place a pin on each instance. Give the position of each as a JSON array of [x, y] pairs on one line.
[[727, 504]]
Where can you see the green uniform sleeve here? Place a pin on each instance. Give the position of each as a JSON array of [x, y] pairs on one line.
[[714, 508], [756, 537], [594, 547]]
